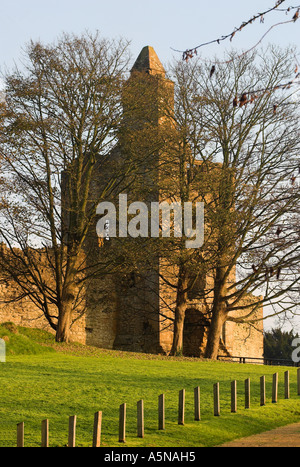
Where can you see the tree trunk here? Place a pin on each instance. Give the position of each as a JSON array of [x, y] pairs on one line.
[[181, 304], [66, 305], [215, 332], [64, 323]]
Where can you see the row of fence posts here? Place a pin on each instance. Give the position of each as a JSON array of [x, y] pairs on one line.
[[161, 411]]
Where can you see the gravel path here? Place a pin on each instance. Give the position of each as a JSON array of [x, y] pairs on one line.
[[287, 436]]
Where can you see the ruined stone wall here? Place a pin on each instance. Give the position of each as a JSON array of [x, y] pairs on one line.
[[100, 316], [22, 313], [26, 313], [94, 323], [136, 314], [167, 302], [93, 319], [246, 339], [14, 306]]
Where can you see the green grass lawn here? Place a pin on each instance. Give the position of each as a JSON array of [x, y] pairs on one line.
[[41, 379]]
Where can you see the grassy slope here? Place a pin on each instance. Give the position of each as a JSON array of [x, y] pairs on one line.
[[56, 381]]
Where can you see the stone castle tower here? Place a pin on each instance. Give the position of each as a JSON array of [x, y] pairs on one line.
[[142, 302], [134, 311]]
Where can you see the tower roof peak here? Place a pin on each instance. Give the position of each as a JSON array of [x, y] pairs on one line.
[[149, 62]]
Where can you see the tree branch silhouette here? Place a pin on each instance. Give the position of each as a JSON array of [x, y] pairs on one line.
[[190, 53]]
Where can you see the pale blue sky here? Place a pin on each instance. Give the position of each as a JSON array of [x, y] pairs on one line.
[[162, 24]]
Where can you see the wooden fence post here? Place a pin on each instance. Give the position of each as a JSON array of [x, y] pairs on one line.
[[233, 397], [140, 419], [72, 431], [45, 434], [216, 399], [20, 435], [122, 424], [262, 390], [161, 412], [287, 385], [275, 388], [181, 403], [247, 393], [197, 404], [97, 429]]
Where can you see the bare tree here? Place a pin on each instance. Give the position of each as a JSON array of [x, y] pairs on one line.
[[59, 124], [242, 125], [292, 11]]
